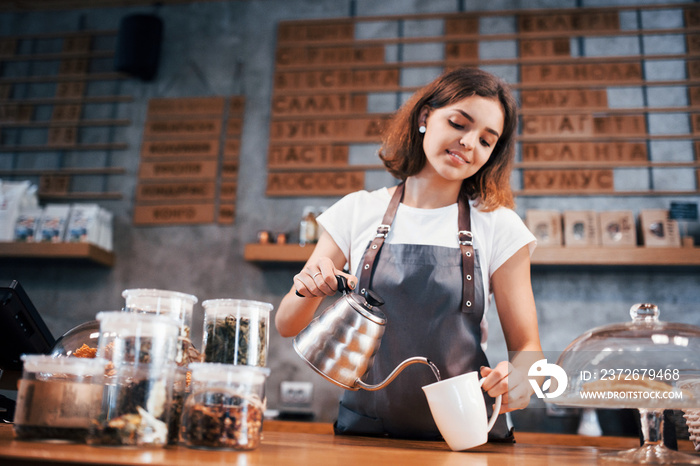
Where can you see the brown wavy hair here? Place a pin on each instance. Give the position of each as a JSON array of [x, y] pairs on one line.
[[402, 147]]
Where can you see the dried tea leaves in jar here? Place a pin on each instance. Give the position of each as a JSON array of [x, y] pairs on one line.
[[236, 340], [140, 415], [227, 422]]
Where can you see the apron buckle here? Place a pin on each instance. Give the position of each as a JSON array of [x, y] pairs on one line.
[[383, 231], [465, 238]]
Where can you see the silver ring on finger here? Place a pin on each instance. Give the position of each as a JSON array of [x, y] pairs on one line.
[[314, 275]]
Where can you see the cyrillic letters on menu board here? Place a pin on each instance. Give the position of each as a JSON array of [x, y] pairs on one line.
[[572, 138], [186, 175]]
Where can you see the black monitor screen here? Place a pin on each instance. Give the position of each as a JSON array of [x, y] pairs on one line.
[[22, 330]]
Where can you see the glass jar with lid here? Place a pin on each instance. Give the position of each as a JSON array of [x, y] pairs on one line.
[[131, 338], [174, 304], [58, 398], [645, 364], [225, 407], [236, 331], [138, 406]]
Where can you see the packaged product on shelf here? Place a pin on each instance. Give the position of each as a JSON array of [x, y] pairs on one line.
[[26, 225], [53, 223], [581, 228], [15, 196], [545, 225], [658, 230], [617, 228], [308, 228], [83, 225], [105, 229]]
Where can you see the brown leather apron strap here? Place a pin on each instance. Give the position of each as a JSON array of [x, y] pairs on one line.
[[378, 241], [466, 245]]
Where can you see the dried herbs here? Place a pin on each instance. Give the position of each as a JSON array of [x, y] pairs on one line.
[[236, 340], [139, 416], [135, 429], [234, 422], [175, 417]]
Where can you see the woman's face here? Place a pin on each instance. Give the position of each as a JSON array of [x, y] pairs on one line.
[[460, 137]]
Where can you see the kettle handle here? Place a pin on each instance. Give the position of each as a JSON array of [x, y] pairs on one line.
[[342, 286], [373, 299]]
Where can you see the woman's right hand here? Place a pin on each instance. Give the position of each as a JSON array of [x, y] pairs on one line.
[[315, 281], [317, 278]]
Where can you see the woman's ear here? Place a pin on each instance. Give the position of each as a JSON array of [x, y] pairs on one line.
[[423, 115]]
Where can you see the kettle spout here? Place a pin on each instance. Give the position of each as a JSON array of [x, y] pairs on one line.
[[418, 359]]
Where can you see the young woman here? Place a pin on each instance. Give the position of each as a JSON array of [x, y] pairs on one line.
[[453, 241]]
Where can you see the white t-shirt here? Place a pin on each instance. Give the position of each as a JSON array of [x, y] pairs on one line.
[[352, 223]]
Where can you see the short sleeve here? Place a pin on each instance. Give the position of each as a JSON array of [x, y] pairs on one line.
[[336, 220], [509, 236]]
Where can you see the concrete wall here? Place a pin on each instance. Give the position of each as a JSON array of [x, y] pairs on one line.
[[227, 48]]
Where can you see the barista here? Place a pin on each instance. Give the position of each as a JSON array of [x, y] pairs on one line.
[[446, 238]]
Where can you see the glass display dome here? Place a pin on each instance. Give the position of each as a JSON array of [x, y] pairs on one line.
[[645, 364], [81, 341]]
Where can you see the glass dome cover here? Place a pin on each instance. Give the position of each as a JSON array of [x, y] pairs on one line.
[[643, 364]]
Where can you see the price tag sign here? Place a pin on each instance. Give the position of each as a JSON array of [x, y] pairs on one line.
[[683, 211]]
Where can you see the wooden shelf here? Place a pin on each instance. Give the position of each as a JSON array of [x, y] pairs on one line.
[[84, 251], [77, 123], [670, 257], [66, 147], [617, 256], [290, 253]]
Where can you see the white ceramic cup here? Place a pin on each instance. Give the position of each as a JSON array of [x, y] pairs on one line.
[[458, 408]]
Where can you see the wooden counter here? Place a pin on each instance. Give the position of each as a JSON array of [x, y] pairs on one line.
[[313, 444]]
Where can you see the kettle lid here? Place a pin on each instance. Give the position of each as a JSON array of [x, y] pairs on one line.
[[364, 306], [366, 302]]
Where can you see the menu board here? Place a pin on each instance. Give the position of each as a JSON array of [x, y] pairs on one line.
[[603, 93], [51, 131], [184, 176], [230, 162]]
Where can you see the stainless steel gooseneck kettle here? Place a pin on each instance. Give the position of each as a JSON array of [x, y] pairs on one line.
[[341, 342]]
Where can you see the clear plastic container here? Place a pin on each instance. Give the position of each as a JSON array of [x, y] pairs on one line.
[[137, 407], [58, 397], [174, 304], [236, 331], [130, 338], [181, 388], [225, 407]]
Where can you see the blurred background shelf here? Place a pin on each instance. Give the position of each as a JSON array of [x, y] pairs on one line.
[[687, 256], [681, 256], [289, 253], [81, 251]]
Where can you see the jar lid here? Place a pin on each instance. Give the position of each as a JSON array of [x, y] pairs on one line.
[[242, 306], [63, 365], [228, 373], [130, 323], [158, 301]]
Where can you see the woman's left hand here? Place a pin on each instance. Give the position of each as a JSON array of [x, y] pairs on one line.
[[506, 380]]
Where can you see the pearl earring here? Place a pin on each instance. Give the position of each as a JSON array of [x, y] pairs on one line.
[[421, 129]]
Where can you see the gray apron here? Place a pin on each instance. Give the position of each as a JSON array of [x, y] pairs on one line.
[[431, 313]]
